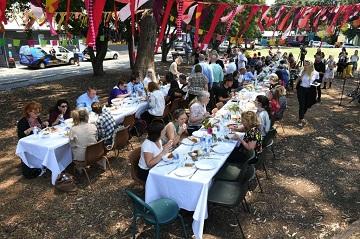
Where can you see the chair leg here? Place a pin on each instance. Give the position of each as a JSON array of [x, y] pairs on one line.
[[247, 205], [238, 221], [282, 126], [108, 163], [87, 176], [266, 173], [257, 179], [183, 225], [157, 231]]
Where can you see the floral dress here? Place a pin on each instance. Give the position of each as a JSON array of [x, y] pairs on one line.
[[254, 134]]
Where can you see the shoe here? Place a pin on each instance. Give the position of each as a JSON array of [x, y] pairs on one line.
[[43, 171]]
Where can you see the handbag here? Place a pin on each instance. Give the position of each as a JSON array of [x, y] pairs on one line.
[[65, 183]]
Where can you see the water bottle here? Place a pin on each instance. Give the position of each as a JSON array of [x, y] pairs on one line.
[[203, 142], [35, 130], [62, 121], [208, 143]]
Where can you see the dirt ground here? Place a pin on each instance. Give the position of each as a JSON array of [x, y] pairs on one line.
[[313, 190]]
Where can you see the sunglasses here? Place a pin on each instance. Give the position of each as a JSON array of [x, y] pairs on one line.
[[63, 106]]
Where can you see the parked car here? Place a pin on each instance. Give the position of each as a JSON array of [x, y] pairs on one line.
[[293, 43], [314, 43], [327, 45], [224, 46], [110, 54], [41, 57], [349, 45]]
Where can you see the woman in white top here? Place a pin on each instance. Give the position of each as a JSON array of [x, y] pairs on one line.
[[152, 150], [150, 77], [174, 66], [354, 61], [330, 72], [306, 93], [198, 111], [263, 113], [156, 101]]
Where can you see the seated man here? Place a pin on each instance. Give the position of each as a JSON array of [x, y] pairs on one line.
[[223, 93], [85, 100], [105, 123], [135, 86], [119, 91], [249, 75]]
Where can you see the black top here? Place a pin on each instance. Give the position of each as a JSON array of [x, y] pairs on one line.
[[320, 67], [23, 125], [222, 92], [174, 88], [303, 52]]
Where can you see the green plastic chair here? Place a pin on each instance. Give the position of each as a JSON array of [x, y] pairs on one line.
[[234, 171], [159, 212]]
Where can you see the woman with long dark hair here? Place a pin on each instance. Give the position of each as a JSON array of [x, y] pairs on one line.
[[264, 113], [306, 93]]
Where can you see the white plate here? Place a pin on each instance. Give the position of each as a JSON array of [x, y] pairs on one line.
[[167, 159], [205, 165], [199, 133], [116, 101], [223, 148], [116, 112], [184, 171], [189, 142]]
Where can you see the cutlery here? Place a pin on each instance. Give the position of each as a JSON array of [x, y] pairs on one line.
[[164, 164], [193, 173], [173, 170]]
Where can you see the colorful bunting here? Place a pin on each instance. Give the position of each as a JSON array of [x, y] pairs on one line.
[[51, 7], [2, 15], [254, 10], [199, 9], [164, 23], [16, 42]]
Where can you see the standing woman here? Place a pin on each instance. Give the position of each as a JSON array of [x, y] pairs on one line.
[[306, 93], [329, 73]]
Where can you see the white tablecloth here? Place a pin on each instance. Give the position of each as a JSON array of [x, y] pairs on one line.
[[190, 194], [129, 109], [53, 152]]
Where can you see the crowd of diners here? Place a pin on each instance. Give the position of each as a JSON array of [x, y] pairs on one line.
[[211, 83]]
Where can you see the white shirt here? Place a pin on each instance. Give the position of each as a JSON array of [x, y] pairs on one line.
[[147, 80], [306, 81], [148, 146], [242, 60], [354, 58], [231, 68], [264, 122], [156, 103]]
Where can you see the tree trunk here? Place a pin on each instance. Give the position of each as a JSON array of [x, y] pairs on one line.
[[98, 59], [146, 47], [165, 48], [130, 52]]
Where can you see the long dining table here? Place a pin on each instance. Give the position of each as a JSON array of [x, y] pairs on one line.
[[191, 192]]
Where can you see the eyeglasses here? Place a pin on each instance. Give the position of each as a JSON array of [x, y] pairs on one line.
[[63, 106]]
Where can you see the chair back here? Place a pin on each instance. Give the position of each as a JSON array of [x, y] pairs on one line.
[[121, 138], [269, 137], [129, 121], [140, 207], [134, 157], [176, 104], [95, 152], [166, 110], [249, 154]]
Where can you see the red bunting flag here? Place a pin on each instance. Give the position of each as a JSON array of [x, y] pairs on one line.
[[67, 12], [187, 18], [94, 9], [51, 7], [2, 15], [197, 24], [164, 22], [230, 19], [317, 18], [180, 10], [271, 21], [338, 10], [281, 26], [218, 13], [264, 9], [254, 10]]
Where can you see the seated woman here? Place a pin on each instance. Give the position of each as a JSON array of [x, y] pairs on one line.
[[82, 134], [152, 150], [31, 120], [263, 112], [25, 127], [251, 141], [274, 80], [156, 103], [149, 77], [60, 112], [176, 129], [281, 91], [274, 97], [119, 91], [198, 111]]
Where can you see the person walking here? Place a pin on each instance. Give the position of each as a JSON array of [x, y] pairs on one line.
[[330, 70], [320, 67], [306, 93], [303, 53]]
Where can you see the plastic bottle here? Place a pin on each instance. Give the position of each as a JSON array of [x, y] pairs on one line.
[[35, 130], [203, 142]]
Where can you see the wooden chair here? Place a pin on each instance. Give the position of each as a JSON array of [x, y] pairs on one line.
[[120, 140], [129, 121], [134, 157], [166, 115], [93, 154]]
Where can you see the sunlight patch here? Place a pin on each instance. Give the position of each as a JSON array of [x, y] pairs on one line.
[[300, 186]]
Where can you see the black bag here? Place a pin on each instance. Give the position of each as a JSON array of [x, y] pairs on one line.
[[30, 173]]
